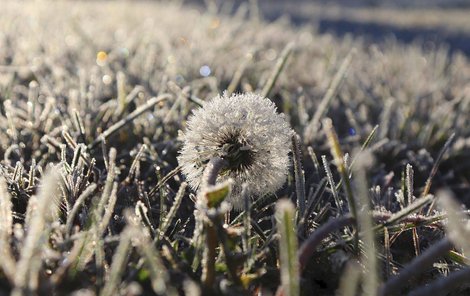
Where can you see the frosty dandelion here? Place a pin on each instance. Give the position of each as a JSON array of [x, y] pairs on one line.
[[247, 132]]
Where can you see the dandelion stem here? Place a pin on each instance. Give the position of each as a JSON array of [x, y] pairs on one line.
[[213, 168], [215, 165], [210, 254]]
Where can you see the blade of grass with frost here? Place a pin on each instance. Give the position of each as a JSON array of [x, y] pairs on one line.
[[246, 221], [135, 162], [415, 206], [95, 224], [99, 230], [364, 146], [309, 246], [108, 187], [239, 73], [314, 158], [69, 139], [109, 209], [457, 226], [314, 199], [47, 204], [349, 281], [289, 263], [7, 264], [365, 224], [118, 263], [76, 206], [32, 173], [163, 181], [312, 128], [18, 172], [385, 117], [64, 268], [162, 210], [409, 183], [299, 176], [142, 211], [129, 118], [331, 181], [174, 208], [433, 172], [281, 62], [121, 82], [338, 156], [183, 95], [77, 153], [79, 126], [159, 275], [446, 146]]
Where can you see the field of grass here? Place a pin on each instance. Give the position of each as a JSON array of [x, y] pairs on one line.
[[95, 198]]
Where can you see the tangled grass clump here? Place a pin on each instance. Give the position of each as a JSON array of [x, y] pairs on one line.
[[98, 92]]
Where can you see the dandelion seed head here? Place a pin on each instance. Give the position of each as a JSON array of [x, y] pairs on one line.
[[247, 132]]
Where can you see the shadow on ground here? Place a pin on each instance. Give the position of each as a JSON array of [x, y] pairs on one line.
[[378, 33], [431, 38]]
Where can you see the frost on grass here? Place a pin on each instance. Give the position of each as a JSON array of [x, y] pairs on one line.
[[247, 132], [78, 80]]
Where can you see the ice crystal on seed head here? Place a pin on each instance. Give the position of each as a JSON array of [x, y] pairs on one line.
[[247, 132]]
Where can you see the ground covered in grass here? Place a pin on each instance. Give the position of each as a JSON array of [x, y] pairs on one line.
[[94, 96]]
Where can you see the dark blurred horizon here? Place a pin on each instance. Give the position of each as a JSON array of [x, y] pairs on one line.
[[433, 23], [417, 4]]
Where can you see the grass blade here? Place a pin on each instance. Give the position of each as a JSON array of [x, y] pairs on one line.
[[289, 263], [281, 62]]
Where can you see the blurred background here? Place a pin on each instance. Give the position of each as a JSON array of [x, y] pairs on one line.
[[428, 22]]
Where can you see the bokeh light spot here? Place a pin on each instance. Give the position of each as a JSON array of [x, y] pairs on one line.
[[352, 131], [107, 79], [215, 23], [205, 71], [101, 58]]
